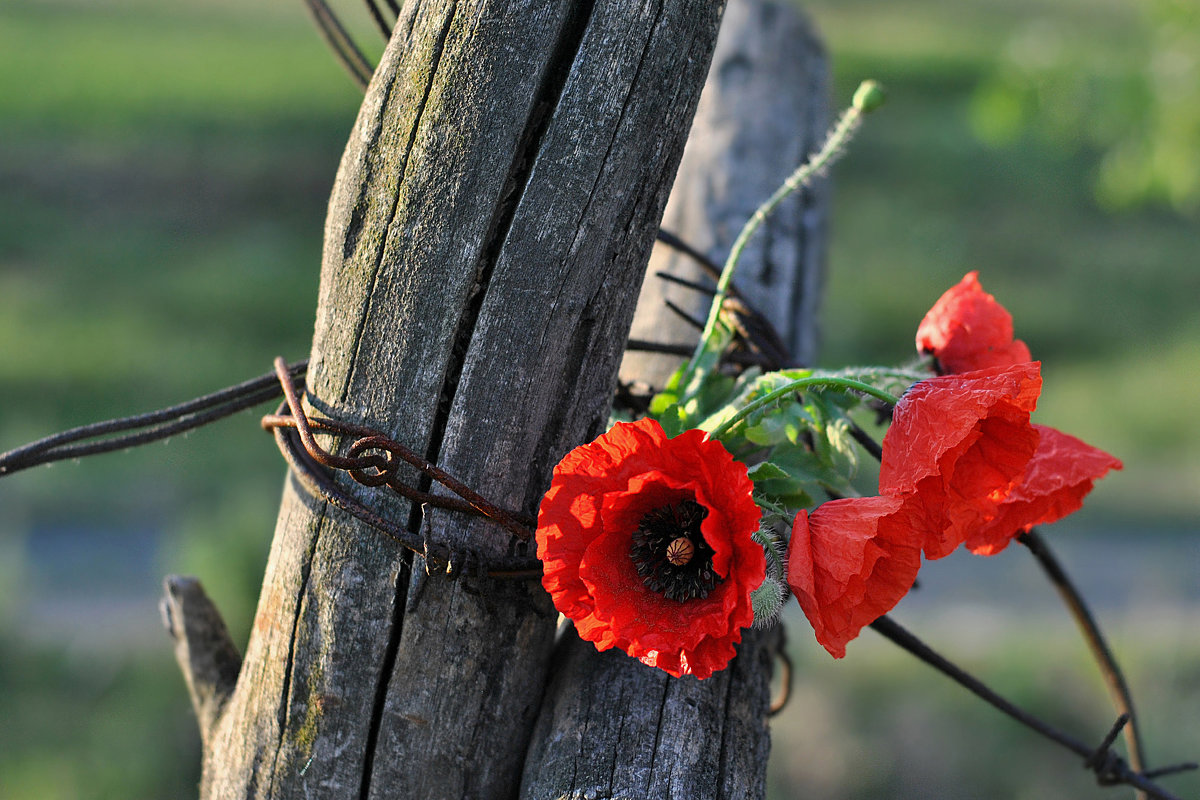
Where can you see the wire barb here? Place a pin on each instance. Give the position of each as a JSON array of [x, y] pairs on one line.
[[1110, 769], [317, 483], [1104, 762], [1171, 769]]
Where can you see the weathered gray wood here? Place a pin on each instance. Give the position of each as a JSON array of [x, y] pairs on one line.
[[764, 109], [490, 222], [611, 727], [615, 728]]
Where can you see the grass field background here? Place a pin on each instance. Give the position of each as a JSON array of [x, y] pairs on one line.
[[164, 169]]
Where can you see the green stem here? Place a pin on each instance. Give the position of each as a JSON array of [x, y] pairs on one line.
[[823, 381], [897, 373], [708, 350]]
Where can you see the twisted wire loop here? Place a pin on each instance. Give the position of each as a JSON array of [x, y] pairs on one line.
[[1112, 770], [374, 460]]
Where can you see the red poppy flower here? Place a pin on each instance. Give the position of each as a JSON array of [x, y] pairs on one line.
[[849, 563], [959, 444], [646, 543], [1058, 477], [968, 330]]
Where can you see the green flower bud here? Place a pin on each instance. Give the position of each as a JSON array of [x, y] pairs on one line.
[[767, 601], [869, 96]]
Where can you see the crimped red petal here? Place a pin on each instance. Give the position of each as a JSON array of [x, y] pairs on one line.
[[569, 516], [598, 495], [647, 619], [959, 444], [966, 330], [849, 563], [939, 414], [1059, 476]]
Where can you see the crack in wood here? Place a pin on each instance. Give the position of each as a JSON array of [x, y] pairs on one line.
[[542, 110], [546, 100], [403, 576], [356, 223], [286, 690]]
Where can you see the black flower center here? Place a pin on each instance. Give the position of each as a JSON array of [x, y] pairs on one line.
[[670, 553]]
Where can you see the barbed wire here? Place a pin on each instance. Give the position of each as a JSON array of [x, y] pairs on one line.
[[126, 432], [373, 459], [1109, 768], [438, 557]]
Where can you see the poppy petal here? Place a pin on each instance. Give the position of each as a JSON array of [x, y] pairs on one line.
[[966, 330], [1059, 476], [598, 497], [959, 444], [848, 564]]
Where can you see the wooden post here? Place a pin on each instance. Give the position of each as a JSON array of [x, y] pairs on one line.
[[490, 223], [610, 726]]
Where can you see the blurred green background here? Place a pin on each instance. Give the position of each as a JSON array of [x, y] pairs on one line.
[[164, 169]]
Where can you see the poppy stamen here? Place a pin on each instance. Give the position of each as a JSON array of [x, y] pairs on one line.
[[670, 553]]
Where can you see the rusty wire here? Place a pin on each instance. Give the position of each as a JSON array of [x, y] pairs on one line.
[[785, 676], [125, 432], [1109, 768], [317, 482], [373, 460]]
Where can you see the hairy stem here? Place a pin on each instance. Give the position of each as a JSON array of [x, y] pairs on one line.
[[712, 341], [822, 381]]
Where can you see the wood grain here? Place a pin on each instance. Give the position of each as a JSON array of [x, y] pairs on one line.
[[611, 727], [491, 220]]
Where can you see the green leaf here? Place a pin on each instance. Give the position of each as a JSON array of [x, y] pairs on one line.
[[812, 468], [673, 420], [715, 391], [668, 396], [767, 471], [785, 496], [843, 453], [774, 426]]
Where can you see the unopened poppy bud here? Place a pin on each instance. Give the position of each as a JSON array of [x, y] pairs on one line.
[[869, 96]]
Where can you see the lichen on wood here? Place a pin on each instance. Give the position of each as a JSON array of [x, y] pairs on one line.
[[491, 218]]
